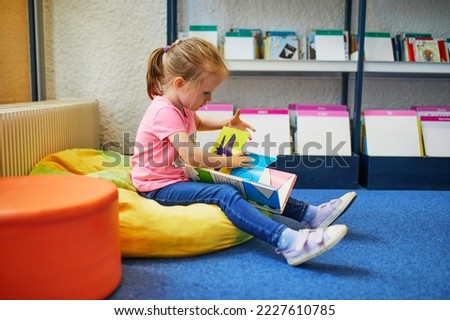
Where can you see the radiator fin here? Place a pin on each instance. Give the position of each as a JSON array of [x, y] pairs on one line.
[[31, 131]]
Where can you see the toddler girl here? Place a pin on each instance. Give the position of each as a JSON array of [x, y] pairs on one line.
[[180, 79]]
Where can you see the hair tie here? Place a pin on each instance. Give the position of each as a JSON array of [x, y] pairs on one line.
[[166, 49]]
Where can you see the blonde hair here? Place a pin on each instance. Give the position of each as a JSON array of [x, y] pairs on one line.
[[193, 59]]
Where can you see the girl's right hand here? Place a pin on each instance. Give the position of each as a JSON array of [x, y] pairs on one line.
[[240, 160]]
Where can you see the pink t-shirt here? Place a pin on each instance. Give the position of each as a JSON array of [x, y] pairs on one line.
[[155, 161]]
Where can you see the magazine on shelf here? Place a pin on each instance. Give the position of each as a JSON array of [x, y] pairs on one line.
[[323, 132], [378, 46], [270, 140], [435, 125], [263, 187], [436, 135], [391, 133]]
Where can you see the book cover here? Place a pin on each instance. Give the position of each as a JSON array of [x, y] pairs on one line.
[[426, 50], [378, 46], [436, 135], [323, 133], [263, 187], [240, 45], [270, 140], [330, 45], [409, 40], [293, 107], [432, 110], [279, 45], [392, 133], [207, 32]]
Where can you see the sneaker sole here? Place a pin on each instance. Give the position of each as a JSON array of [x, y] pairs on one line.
[[342, 209], [326, 246]]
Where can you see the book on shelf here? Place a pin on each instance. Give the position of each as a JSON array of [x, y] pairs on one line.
[[303, 45], [240, 45], [322, 132], [206, 32], [330, 45], [281, 45], [425, 110], [435, 126], [426, 50], [443, 51], [263, 187], [205, 139], [378, 46], [447, 42], [408, 39], [293, 107], [257, 35], [391, 133], [311, 46], [398, 47], [436, 135], [272, 136]]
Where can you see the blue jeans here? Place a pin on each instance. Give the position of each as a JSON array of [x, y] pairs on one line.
[[241, 213]]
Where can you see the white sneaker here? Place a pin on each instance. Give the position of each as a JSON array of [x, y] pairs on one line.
[[329, 212], [311, 243]]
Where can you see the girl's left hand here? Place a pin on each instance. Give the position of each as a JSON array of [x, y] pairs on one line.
[[237, 123]]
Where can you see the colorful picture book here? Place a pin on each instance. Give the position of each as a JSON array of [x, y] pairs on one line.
[[426, 50], [263, 187], [281, 45], [423, 47]]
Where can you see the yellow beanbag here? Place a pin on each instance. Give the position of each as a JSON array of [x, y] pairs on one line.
[[148, 229]]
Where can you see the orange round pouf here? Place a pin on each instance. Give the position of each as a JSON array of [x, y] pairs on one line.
[[59, 238]]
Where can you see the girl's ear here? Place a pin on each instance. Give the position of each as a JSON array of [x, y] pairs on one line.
[[178, 82]]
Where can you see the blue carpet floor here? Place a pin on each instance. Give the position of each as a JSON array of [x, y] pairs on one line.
[[397, 248]]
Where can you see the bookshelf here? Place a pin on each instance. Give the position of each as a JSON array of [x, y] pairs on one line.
[[398, 173], [407, 70], [358, 169], [290, 68]]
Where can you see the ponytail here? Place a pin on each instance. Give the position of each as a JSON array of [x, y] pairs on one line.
[[192, 59], [155, 73]]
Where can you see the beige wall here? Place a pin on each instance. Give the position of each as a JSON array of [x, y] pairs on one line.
[[97, 49], [14, 52]]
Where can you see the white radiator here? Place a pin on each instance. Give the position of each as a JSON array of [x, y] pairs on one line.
[[30, 131]]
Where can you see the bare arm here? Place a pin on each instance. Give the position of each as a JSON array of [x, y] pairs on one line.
[[204, 124], [197, 157], [209, 123]]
